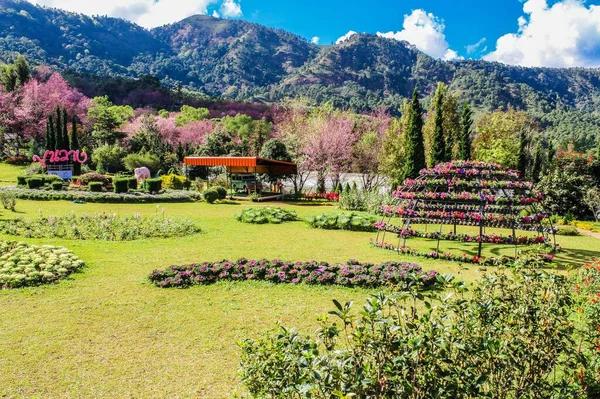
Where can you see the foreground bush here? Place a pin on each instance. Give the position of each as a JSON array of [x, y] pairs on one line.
[[342, 221], [210, 195], [365, 201], [102, 197], [350, 274], [262, 215], [110, 227], [24, 265], [512, 336]]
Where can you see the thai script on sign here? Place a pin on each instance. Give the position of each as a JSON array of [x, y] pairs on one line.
[[61, 156]]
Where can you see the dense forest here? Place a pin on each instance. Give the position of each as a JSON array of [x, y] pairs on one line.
[[203, 57]]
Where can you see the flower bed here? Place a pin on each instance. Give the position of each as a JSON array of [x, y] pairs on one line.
[[103, 197], [331, 197], [470, 169], [109, 227], [464, 258], [349, 274], [262, 215], [24, 264], [342, 221], [456, 182], [469, 197]]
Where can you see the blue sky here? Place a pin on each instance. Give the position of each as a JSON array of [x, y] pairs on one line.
[[553, 33]]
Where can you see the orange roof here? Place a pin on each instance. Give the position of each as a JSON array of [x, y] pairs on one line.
[[245, 164]]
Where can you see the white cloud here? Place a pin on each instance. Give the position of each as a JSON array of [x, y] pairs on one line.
[[231, 9], [472, 48], [426, 32], [315, 40], [216, 14], [567, 34], [345, 37], [148, 13]]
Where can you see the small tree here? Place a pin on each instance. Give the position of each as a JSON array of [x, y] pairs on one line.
[[438, 145], [415, 150], [50, 141], [21, 70], [592, 199], [466, 122]]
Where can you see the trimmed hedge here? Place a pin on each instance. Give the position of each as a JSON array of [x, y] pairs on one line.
[[21, 180], [57, 185], [95, 186], [132, 183], [222, 192], [34, 182], [153, 185], [102, 197], [120, 185]]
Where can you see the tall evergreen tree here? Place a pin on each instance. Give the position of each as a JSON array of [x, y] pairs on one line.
[[50, 136], [8, 77], [21, 70], [415, 149], [65, 129], [536, 168], [59, 133], [522, 163], [75, 145], [464, 143], [451, 113], [180, 152], [438, 142]]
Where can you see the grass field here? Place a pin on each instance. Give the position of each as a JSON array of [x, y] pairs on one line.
[[107, 332]]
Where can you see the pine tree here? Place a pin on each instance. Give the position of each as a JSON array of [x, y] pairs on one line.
[[522, 165], [415, 150], [65, 130], [21, 70], [49, 142], [59, 134], [180, 152], [464, 144], [438, 144]]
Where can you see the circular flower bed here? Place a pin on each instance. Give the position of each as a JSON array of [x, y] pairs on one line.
[[350, 274], [262, 215], [109, 227], [24, 265]]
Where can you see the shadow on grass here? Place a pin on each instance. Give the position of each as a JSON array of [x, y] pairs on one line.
[[577, 257]]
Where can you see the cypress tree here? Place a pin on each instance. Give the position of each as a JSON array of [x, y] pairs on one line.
[[59, 134], [451, 114], [536, 168], [415, 149], [438, 144], [466, 121], [49, 143], [21, 70], [75, 145], [522, 165], [50, 136], [65, 129], [180, 152]]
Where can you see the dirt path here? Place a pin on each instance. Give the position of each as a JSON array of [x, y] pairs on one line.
[[589, 233]]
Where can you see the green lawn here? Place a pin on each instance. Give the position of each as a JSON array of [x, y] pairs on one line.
[[108, 333]]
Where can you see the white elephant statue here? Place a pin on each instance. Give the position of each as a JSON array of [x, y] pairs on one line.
[[141, 174]]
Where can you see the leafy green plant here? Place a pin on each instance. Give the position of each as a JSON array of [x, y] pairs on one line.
[[567, 231], [153, 185], [57, 185], [109, 227], [101, 196], [363, 200], [23, 264], [34, 182], [262, 215], [173, 181], [222, 192], [511, 336], [342, 221], [87, 178], [8, 200]]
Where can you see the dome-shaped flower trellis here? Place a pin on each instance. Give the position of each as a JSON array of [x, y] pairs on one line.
[[470, 193]]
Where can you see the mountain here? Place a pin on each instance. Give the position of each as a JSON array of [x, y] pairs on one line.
[[246, 61]]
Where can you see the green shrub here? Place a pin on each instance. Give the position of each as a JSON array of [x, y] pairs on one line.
[[21, 180], [567, 231], [34, 182], [57, 185], [102, 197], [8, 200], [342, 221], [120, 185], [95, 186], [261, 215], [24, 264], [153, 185], [109, 227], [222, 192], [132, 183], [173, 181], [363, 200], [210, 195], [482, 343], [87, 178], [109, 158], [148, 160]]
